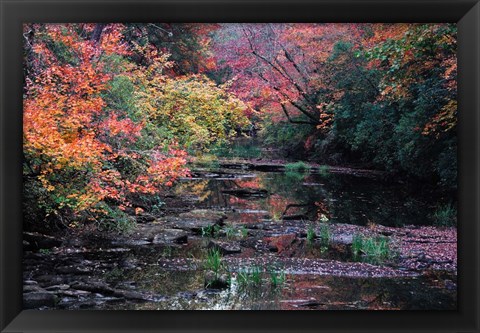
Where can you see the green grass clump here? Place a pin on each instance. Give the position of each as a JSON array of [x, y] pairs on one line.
[[250, 276], [374, 249], [445, 216], [297, 167], [211, 231], [277, 279], [230, 231], [214, 262], [243, 231], [310, 234], [357, 243]]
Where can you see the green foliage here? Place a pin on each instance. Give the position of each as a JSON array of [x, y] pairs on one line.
[[193, 110], [250, 276], [357, 243], [310, 234], [247, 150], [392, 104], [114, 220], [243, 231], [211, 231], [277, 278], [374, 249], [445, 216], [207, 160], [230, 231], [213, 261], [254, 277], [167, 252], [290, 137], [299, 167]]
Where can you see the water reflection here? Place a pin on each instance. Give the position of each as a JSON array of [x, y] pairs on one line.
[[338, 198]]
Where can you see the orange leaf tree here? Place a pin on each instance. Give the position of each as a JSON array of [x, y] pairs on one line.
[[75, 143]]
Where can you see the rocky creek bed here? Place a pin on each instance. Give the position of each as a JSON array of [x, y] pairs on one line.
[[276, 231]]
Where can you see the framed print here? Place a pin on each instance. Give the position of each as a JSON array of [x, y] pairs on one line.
[[293, 166]]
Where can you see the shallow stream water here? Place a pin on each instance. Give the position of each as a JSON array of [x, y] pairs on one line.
[[172, 276]]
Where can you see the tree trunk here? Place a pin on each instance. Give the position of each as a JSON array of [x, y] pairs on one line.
[[97, 32]]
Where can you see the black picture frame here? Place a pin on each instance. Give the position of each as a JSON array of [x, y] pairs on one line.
[[14, 13]]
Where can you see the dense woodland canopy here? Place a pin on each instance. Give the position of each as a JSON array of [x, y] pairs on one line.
[[113, 112]]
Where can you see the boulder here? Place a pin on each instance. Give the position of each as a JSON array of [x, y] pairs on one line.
[[167, 236], [280, 242], [225, 247], [204, 214], [342, 239]]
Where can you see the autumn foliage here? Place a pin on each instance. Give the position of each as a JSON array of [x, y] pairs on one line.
[[112, 111]]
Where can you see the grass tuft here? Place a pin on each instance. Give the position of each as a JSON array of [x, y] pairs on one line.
[[297, 167], [375, 249]]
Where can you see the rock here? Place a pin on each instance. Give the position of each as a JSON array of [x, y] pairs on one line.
[[204, 214], [58, 287], [38, 299], [74, 269], [225, 247], [94, 287], [342, 239], [32, 288], [74, 293], [191, 224], [145, 218], [133, 295], [246, 192], [30, 282], [40, 241], [49, 280], [281, 242], [167, 236], [131, 242]]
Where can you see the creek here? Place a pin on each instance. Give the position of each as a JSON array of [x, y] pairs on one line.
[[264, 225]]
